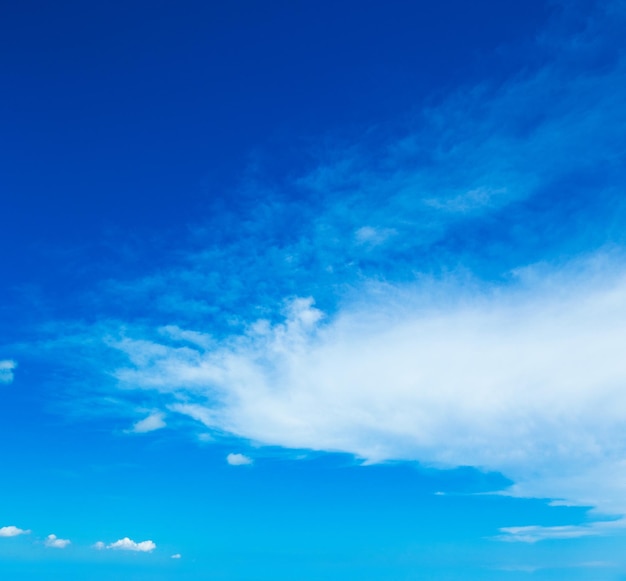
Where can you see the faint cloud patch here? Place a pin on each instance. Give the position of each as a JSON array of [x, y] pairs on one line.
[[238, 460], [7, 367], [153, 422], [54, 542], [373, 236], [535, 533]]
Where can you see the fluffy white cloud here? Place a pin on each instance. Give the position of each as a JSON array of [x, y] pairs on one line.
[[12, 531], [153, 422], [176, 556], [6, 370], [54, 542], [127, 544], [526, 380], [238, 459]]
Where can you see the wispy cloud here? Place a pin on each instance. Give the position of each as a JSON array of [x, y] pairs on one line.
[[523, 380], [54, 542], [495, 176], [7, 366], [238, 460], [12, 531], [127, 544], [535, 533], [535, 568], [470, 281], [154, 421], [176, 556]]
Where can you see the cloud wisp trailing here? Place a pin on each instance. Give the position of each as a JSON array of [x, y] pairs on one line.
[[532, 534]]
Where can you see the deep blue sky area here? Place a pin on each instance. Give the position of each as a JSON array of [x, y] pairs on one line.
[[138, 115], [312, 290], [125, 124]]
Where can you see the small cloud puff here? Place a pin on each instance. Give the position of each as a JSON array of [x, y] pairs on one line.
[[54, 542], [12, 531], [373, 236], [127, 544], [176, 556], [6, 370], [153, 422], [238, 460]]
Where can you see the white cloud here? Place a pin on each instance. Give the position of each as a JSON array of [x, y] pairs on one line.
[[54, 542], [99, 546], [535, 568], [153, 422], [373, 236], [6, 370], [127, 544], [526, 380], [535, 533], [176, 556], [238, 460], [12, 531]]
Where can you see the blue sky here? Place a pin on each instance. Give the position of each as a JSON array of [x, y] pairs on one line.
[[313, 290]]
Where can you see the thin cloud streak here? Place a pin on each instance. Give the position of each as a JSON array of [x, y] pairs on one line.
[[534, 533]]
